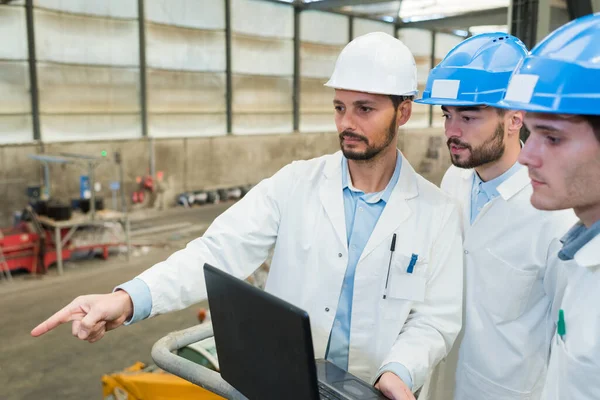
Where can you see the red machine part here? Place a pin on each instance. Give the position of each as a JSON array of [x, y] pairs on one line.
[[21, 248]]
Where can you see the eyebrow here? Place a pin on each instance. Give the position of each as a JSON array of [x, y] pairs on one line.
[[464, 109], [548, 128], [357, 103]]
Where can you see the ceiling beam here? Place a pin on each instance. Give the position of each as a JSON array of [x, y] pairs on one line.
[[493, 16], [330, 4]]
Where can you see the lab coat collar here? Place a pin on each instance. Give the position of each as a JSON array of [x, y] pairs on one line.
[[395, 212], [589, 255], [467, 174], [513, 185], [406, 187], [332, 198], [509, 187]]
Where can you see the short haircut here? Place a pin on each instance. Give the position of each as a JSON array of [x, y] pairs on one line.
[[397, 100], [594, 121]]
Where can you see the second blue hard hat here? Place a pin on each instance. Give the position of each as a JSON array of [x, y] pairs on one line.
[[475, 72]]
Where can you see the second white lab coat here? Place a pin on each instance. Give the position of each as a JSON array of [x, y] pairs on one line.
[[300, 211], [574, 369], [502, 352]]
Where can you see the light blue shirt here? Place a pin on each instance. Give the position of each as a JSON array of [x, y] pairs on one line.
[[484, 192], [362, 211], [577, 237]]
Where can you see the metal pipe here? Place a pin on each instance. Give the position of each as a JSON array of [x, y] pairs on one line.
[[228, 69], [92, 189], [33, 81], [46, 181], [152, 155], [432, 64], [163, 356], [350, 28], [296, 88], [143, 87], [119, 160]]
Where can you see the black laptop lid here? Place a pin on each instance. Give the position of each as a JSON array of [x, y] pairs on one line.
[[263, 343]]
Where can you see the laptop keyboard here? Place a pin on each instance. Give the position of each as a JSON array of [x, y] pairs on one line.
[[327, 394]]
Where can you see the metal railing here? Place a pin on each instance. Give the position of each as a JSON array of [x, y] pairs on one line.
[[164, 356]]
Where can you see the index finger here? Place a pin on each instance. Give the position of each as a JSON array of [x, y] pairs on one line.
[[68, 313]]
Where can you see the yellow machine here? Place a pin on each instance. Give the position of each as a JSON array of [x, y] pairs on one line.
[[141, 382]]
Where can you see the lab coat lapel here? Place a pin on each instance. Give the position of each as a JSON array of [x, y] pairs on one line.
[[332, 197], [396, 210], [466, 186]]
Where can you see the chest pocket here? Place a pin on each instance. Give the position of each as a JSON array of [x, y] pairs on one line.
[[505, 291], [405, 286]]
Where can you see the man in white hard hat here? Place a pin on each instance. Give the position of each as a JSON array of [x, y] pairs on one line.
[[368, 247]]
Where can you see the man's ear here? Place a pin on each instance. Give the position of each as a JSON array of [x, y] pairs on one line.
[[404, 112], [514, 121]]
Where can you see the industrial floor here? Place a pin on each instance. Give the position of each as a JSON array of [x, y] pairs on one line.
[[59, 366]]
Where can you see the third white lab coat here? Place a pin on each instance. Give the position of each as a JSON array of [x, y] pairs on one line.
[[300, 210], [574, 370], [505, 339]]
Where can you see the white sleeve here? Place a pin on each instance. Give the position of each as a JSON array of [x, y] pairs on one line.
[[238, 242]]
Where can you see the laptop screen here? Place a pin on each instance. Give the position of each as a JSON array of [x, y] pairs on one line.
[[264, 344]]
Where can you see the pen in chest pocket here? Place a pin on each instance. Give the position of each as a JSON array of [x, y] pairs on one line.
[[387, 279], [413, 261]]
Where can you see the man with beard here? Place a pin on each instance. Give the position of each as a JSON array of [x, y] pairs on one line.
[[371, 250], [558, 84], [502, 352]]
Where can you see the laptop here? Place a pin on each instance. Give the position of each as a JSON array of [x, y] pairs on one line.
[[265, 348]]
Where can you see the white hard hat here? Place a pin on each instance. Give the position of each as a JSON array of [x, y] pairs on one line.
[[376, 63]]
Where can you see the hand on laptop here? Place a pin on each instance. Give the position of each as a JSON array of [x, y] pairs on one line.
[[393, 388], [92, 315]]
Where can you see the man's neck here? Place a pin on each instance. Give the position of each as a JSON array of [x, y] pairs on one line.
[[373, 175], [492, 170], [588, 215]]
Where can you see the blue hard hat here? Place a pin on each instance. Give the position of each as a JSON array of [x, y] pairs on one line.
[[562, 73], [474, 72]]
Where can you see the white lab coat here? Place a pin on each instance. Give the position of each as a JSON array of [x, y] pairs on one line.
[[574, 369], [300, 210], [505, 339]]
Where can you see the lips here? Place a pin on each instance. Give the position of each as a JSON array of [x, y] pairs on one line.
[[352, 139], [454, 149], [536, 183]]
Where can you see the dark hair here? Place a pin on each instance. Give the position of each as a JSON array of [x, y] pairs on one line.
[[524, 133], [397, 100], [594, 121]]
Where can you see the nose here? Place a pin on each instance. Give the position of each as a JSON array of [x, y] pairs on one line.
[[345, 122], [530, 153], [451, 129]]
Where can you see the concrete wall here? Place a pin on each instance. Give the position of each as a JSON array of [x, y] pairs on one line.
[[192, 163]]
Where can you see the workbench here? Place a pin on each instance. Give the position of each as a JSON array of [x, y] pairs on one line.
[[79, 220]]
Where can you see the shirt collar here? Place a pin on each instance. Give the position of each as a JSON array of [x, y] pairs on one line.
[[385, 194], [490, 188], [577, 243]]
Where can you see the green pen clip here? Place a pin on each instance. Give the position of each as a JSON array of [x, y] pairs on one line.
[[561, 326]]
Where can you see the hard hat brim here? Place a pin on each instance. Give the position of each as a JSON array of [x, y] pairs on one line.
[[385, 93], [536, 108], [450, 102]]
